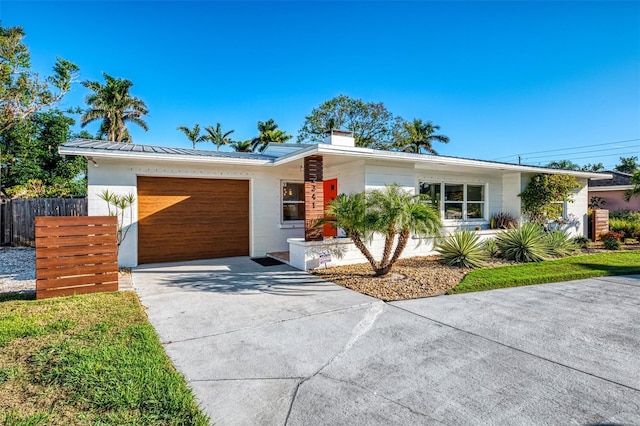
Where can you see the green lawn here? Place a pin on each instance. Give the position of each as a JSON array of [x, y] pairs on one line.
[[92, 359], [566, 269]]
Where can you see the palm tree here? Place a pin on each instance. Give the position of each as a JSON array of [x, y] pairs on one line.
[[242, 146], [193, 134], [635, 190], [268, 132], [417, 135], [392, 212], [115, 107], [217, 137]]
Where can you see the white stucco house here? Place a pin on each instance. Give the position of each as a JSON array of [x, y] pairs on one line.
[[196, 204]]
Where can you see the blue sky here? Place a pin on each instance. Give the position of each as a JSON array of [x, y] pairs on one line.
[[500, 78]]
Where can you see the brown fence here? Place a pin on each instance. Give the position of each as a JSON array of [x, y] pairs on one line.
[[17, 216], [75, 255], [599, 223]]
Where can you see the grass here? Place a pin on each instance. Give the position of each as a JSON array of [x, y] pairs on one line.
[[91, 359], [569, 268]]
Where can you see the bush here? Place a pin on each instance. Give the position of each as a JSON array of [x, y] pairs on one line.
[[612, 235], [490, 247], [611, 244], [560, 244], [503, 220], [627, 226], [523, 244], [582, 241], [625, 215], [463, 249]]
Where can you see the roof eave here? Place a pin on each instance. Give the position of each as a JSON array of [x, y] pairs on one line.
[[89, 152]]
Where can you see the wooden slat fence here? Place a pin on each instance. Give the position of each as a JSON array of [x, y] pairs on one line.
[[76, 255], [599, 223], [17, 216]]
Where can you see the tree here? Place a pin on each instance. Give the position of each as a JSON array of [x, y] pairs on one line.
[[597, 167], [563, 165], [217, 137], [371, 123], [628, 165], [32, 165], [268, 132], [543, 197], [193, 134], [416, 136], [114, 106], [22, 91], [635, 190], [392, 212], [242, 146]]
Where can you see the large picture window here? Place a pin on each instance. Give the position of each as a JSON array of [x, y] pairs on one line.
[[456, 201], [292, 201]]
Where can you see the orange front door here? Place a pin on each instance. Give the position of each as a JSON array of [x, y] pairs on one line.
[[330, 189]]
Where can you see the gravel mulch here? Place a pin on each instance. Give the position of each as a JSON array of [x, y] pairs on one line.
[[17, 269], [410, 278]]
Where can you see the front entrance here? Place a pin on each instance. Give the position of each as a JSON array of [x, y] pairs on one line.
[[330, 188]]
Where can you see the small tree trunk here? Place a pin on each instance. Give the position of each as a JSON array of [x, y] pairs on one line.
[[402, 243], [389, 238], [364, 250]]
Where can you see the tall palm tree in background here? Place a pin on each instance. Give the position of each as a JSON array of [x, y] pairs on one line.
[[416, 136], [217, 137], [242, 146], [635, 189], [115, 107], [268, 132], [193, 134]]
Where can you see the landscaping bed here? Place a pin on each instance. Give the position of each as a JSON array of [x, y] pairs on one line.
[[427, 276]]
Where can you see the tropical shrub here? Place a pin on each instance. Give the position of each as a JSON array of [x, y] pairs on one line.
[[611, 244], [523, 244], [543, 197], [582, 241], [625, 215], [490, 247], [560, 244], [463, 249], [627, 226], [503, 220], [612, 235]]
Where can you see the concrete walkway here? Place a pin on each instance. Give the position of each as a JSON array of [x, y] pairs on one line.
[[274, 346]]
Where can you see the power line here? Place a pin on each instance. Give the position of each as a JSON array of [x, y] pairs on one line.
[[606, 155], [585, 152], [568, 149]]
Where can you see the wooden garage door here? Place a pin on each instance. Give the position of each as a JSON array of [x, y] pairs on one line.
[[188, 219]]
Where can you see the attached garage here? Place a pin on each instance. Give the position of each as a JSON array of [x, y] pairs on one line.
[[187, 219]]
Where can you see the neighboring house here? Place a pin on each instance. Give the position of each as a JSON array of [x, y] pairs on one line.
[[196, 204], [612, 192]]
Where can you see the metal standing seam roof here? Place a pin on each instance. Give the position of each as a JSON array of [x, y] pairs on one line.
[[92, 145], [87, 146]]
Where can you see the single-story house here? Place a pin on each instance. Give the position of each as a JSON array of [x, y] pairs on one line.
[[197, 204], [612, 192]]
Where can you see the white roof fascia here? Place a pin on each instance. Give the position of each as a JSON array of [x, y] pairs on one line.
[[426, 159], [88, 152], [610, 188]]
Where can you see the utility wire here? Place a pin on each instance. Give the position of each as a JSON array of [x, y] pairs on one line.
[[568, 149], [582, 158], [585, 152]]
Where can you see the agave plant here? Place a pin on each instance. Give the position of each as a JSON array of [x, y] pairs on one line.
[[503, 220], [523, 244], [560, 244], [463, 249]]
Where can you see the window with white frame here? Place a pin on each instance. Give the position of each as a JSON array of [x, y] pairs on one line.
[[292, 201], [456, 201]]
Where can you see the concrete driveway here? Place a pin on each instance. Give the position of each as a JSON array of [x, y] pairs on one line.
[[274, 346]]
